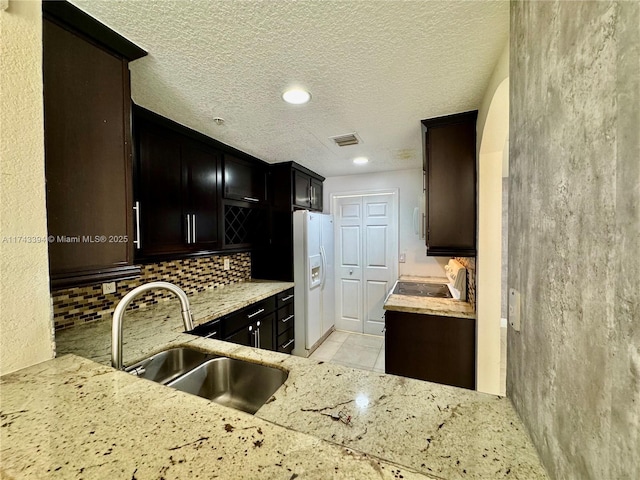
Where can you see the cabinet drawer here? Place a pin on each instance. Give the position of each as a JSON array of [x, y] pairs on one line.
[[253, 312], [285, 341], [285, 318], [285, 298], [211, 329]]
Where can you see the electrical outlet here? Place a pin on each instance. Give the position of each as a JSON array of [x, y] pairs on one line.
[[514, 309], [226, 264], [403, 258], [108, 288]]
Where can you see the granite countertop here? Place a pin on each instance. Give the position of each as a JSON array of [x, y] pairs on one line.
[[87, 420], [444, 307], [150, 330], [73, 418]]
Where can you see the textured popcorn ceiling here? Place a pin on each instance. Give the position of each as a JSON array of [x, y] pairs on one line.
[[374, 67]]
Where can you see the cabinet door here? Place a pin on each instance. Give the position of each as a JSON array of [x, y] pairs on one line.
[[160, 182], [266, 330], [433, 348], [451, 188], [244, 180], [200, 169], [316, 194], [244, 336], [301, 190], [88, 164]]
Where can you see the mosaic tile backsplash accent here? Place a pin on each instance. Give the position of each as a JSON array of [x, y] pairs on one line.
[[470, 264], [79, 305]]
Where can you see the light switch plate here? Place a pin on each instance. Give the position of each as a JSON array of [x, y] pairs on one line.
[[514, 309], [226, 264], [108, 288], [403, 258]]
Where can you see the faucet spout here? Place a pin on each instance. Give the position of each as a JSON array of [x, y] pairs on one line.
[[118, 315]]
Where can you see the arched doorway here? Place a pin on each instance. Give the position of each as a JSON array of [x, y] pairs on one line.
[[492, 168]]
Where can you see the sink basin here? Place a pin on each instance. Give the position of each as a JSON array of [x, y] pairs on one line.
[[234, 383], [169, 365]]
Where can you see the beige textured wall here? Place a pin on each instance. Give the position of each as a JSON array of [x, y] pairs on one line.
[[26, 332]]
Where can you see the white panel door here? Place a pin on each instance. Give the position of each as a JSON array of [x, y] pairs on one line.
[[366, 259], [380, 263], [348, 263]]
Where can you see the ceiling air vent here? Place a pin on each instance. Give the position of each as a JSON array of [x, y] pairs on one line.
[[346, 140]]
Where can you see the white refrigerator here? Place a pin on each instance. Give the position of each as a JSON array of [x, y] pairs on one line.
[[314, 279]]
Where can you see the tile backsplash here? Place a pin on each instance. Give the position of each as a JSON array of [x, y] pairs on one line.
[[79, 305], [470, 264]]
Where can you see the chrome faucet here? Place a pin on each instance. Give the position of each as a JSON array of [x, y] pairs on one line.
[[118, 315]]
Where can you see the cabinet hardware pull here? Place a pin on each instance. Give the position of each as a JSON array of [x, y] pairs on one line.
[[285, 320], [188, 228], [138, 241], [255, 313], [194, 228], [424, 224], [289, 297], [210, 334], [288, 343], [251, 199], [258, 336]]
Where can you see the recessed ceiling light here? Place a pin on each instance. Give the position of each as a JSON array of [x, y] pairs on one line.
[[296, 96], [360, 160]]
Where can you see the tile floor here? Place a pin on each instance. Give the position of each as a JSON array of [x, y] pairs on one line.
[[356, 350], [366, 352]]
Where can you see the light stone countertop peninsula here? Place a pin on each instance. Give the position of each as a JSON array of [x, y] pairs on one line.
[[81, 415], [73, 418], [444, 307]]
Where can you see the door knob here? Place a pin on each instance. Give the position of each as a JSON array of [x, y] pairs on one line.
[[350, 272]]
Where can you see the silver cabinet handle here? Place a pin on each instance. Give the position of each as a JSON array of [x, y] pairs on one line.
[[285, 320], [251, 199], [288, 297], [138, 241], [258, 336], [210, 334], [194, 228], [288, 343], [188, 228], [424, 224], [256, 313]]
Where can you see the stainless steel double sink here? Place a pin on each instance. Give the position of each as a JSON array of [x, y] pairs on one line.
[[234, 383]]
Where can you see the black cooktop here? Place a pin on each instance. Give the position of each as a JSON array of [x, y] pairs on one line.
[[416, 289]]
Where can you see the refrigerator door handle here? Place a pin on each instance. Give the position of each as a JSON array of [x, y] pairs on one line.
[[324, 266]]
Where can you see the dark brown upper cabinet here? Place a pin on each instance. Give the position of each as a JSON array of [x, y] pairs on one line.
[[307, 189], [87, 108], [244, 180], [450, 170], [294, 187], [177, 190]]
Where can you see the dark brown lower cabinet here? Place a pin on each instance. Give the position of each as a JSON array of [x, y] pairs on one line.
[[265, 324], [433, 348]]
